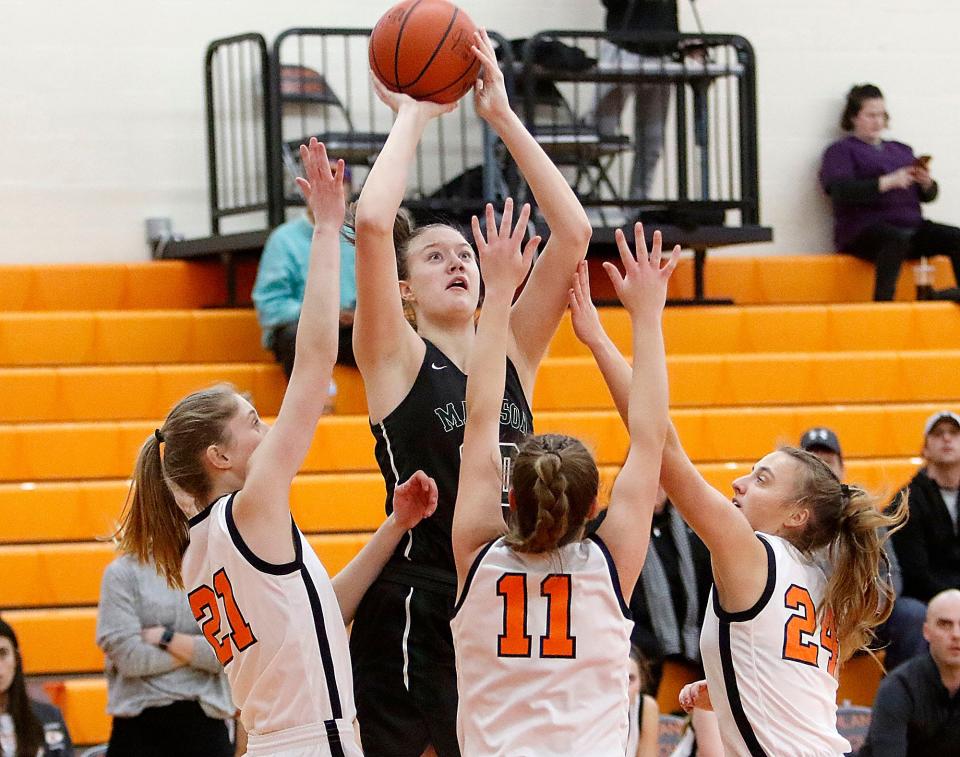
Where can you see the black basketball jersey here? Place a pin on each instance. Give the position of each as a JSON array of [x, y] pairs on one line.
[[425, 432]]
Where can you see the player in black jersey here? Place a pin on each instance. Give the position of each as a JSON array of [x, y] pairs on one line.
[[401, 643]]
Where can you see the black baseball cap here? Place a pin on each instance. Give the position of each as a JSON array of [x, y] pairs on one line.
[[820, 438]]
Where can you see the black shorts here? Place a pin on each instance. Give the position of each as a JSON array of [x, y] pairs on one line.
[[405, 688]]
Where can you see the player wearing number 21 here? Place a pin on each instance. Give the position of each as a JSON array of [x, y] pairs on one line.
[[540, 628], [257, 589], [777, 627]]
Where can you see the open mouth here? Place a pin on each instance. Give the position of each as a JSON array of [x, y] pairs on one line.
[[458, 283], [736, 503]]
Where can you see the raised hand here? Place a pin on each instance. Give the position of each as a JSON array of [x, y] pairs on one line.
[[642, 287], [323, 187], [490, 93], [695, 695], [414, 500], [583, 313], [502, 263], [397, 101]]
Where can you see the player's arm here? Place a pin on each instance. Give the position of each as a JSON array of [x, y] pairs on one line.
[[739, 559], [262, 508], [477, 517], [613, 366], [540, 306], [384, 344], [413, 500], [643, 291]]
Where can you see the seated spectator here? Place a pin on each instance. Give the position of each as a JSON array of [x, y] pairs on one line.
[[278, 290], [670, 598], [877, 187], [902, 633], [164, 682], [644, 713], [28, 728], [917, 709], [928, 546]]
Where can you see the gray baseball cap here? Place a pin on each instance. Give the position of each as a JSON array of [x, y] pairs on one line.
[[941, 415]]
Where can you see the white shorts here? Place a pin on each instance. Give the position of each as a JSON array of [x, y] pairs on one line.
[[302, 741]]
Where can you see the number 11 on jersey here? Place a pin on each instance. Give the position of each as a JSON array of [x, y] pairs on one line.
[[515, 641]]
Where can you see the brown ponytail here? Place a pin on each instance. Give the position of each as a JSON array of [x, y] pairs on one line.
[[847, 521], [555, 481], [153, 528]]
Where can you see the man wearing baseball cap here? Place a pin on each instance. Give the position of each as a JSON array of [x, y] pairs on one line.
[[929, 545], [902, 633]]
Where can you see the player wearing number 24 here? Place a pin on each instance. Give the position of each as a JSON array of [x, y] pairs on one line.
[[541, 632], [777, 626], [260, 594]]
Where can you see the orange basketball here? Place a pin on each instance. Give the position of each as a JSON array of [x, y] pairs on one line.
[[422, 48]]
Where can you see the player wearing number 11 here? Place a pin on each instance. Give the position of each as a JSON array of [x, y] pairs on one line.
[[541, 630], [258, 591]]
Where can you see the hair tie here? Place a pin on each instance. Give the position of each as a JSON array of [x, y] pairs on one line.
[[844, 491], [158, 435]]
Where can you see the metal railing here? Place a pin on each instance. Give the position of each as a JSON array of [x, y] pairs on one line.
[[687, 146], [239, 154], [695, 163]]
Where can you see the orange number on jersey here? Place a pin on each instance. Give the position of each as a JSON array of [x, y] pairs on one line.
[[798, 634], [514, 641], [558, 642], [828, 640], [204, 599]]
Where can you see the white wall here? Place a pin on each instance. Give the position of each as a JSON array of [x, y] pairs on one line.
[[101, 121]]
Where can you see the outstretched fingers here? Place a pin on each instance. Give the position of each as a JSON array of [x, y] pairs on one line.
[[506, 219]]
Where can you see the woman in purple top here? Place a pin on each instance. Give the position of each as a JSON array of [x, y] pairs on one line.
[[877, 187]]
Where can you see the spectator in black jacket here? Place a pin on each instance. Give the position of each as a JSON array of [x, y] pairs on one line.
[[28, 728], [928, 546], [670, 598], [917, 709]]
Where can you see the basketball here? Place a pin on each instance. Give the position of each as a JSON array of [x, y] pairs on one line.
[[422, 48]]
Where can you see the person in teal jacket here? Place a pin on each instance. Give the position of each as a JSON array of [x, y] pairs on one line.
[[278, 290]]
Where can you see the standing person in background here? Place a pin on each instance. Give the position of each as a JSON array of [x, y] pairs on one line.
[[163, 679], [626, 17], [28, 728], [917, 709], [901, 635], [415, 383], [929, 545], [876, 187]]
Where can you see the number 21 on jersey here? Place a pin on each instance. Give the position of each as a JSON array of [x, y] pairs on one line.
[[205, 604], [515, 641], [801, 627]]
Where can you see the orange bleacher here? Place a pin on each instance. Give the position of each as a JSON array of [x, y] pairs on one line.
[[92, 357]]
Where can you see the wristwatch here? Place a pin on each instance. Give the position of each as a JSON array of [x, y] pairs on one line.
[[166, 638]]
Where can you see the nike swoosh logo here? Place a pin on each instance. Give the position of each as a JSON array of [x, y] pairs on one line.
[[437, 367]]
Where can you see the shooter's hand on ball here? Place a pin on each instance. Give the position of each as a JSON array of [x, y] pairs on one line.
[[398, 101]]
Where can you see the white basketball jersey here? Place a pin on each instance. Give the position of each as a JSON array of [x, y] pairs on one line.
[[276, 629], [770, 668], [542, 645]]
